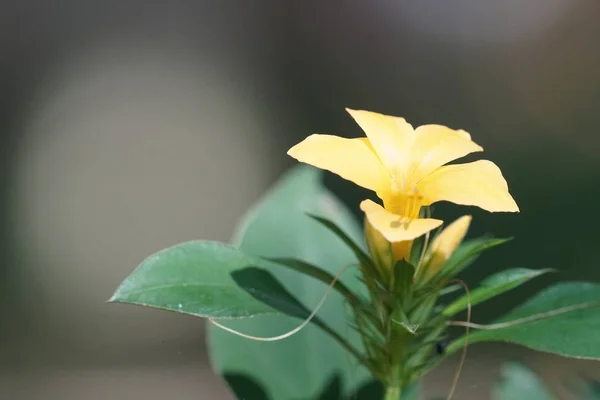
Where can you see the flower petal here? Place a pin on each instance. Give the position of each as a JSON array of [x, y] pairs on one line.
[[352, 159], [479, 183], [391, 137], [396, 228], [436, 145]]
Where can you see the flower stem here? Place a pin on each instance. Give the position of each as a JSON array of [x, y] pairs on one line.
[[392, 393]]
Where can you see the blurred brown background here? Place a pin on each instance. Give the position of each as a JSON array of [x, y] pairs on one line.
[[129, 126]]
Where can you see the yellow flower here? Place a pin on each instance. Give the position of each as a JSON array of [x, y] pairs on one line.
[[407, 170], [443, 245], [384, 253]]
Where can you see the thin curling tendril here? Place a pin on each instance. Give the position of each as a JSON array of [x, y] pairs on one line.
[[299, 327], [463, 355], [524, 320]]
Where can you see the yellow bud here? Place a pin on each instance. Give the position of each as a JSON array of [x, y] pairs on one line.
[[444, 244], [401, 250], [384, 253], [379, 247]]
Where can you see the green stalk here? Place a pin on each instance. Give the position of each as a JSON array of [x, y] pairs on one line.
[[392, 393]]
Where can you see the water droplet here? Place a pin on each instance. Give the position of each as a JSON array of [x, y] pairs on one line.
[[180, 306]]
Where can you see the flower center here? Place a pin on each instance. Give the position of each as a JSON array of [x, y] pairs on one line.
[[413, 204], [407, 204]]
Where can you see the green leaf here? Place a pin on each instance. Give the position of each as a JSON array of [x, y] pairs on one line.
[[519, 382], [405, 328], [372, 390], [246, 388], [450, 289], [261, 285], [301, 366], [317, 273], [416, 250], [360, 254], [404, 273], [467, 253], [563, 319], [206, 279], [333, 390], [494, 286]]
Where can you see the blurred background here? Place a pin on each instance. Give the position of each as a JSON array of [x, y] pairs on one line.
[[129, 126]]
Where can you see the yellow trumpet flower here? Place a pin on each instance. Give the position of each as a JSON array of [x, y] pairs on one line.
[[407, 170]]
